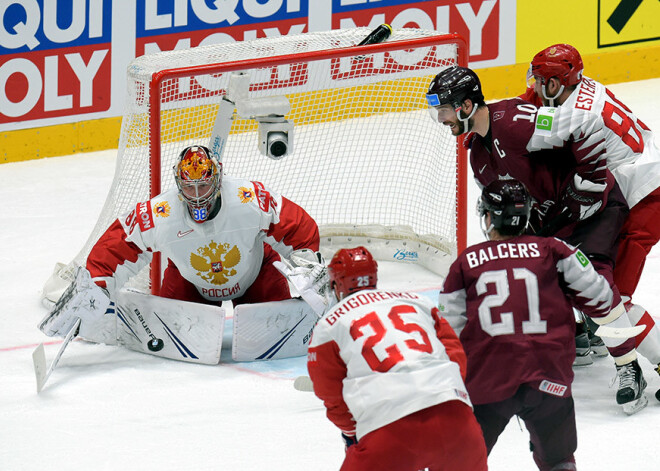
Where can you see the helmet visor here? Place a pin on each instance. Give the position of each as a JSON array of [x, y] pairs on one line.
[[442, 113], [531, 80]]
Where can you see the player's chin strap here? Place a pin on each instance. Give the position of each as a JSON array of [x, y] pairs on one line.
[[484, 229], [465, 121], [551, 100]]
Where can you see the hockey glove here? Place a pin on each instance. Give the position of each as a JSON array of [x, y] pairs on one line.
[[349, 440], [82, 299], [582, 198], [540, 215], [307, 272]]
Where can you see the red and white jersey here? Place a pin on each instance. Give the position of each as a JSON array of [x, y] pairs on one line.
[[221, 257], [592, 112], [378, 356], [512, 302]]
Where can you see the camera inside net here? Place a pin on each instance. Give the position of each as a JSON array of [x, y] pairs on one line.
[[275, 136], [275, 132]]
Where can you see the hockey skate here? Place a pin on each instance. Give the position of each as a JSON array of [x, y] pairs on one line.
[[631, 388], [597, 345], [582, 350]]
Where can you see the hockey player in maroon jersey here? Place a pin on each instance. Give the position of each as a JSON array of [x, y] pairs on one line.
[[575, 196], [555, 78], [511, 298], [388, 369]]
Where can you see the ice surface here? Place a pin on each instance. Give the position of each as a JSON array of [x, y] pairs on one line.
[[109, 408]]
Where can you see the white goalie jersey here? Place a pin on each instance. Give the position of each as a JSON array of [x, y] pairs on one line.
[[592, 114], [222, 256]]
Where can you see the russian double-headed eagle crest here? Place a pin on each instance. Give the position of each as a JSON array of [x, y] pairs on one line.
[[215, 263], [162, 209], [245, 194]]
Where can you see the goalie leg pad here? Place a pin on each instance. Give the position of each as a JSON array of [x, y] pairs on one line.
[[273, 330], [170, 328]]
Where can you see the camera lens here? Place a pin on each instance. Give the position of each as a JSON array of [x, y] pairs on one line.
[[277, 144]]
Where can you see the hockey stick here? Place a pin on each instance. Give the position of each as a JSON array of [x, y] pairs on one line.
[[554, 225], [39, 357], [619, 332], [377, 36], [303, 383]]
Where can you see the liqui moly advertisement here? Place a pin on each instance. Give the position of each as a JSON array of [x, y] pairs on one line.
[[63, 61]]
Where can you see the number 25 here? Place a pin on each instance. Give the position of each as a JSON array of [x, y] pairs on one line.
[[393, 351]]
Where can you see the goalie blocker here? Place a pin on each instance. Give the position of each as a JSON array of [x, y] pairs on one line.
[[180, 330]]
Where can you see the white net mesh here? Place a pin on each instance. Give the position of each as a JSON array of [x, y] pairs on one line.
[[367, 163]]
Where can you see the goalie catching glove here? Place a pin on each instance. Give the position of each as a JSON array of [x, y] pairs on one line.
[[82, 299], [306, 271]]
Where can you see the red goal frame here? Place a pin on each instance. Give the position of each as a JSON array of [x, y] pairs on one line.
[[155, 111]]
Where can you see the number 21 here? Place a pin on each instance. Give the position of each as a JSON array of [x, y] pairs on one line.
[[501, 281]]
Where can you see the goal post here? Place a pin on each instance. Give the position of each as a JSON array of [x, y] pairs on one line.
[[364, 159]]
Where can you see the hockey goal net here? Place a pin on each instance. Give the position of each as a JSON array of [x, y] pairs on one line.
[[367, 162]]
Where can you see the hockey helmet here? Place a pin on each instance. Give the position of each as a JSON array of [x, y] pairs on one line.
[[452, 86], [198, 176], [352, 270], [509, 204], [561, 61]]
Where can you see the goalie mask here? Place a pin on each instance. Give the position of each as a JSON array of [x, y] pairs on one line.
[[509, 205], [352, 270], [449, 89], [198, 176], [561, 61]]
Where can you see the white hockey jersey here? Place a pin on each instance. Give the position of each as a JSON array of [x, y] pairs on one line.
[[378, 356], [593, 112], [221, 257]]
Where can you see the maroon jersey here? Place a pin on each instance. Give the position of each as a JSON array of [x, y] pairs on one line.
[[503, 152], [507, 151], [511, 302]]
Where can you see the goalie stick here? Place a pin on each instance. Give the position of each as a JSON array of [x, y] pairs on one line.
[[39, 357]]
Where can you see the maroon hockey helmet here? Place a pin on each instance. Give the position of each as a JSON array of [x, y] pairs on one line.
[[562, 61], [509, 204], [453, 85], [198, 176], [352, 270]]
